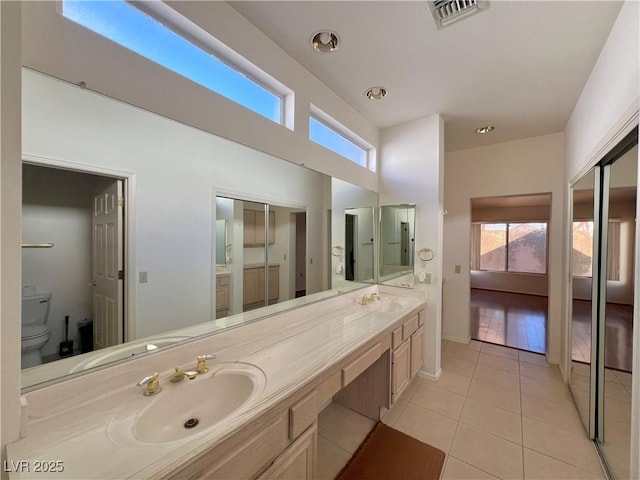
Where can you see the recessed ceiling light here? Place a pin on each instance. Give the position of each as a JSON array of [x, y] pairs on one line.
[[376, 93], [486, 129], [325, 41]]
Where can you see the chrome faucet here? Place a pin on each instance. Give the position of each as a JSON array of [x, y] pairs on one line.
[[178, 375], [152, 382]]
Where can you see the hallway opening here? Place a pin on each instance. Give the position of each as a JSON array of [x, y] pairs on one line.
[[509, 270]]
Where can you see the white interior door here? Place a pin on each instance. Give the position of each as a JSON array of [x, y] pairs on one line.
[[107, 265]]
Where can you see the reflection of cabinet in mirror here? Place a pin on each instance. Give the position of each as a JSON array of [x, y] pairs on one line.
[[253, 285], [222, 295], [254, 228]]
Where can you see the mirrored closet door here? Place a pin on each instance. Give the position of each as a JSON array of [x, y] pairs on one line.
[[603, 258]]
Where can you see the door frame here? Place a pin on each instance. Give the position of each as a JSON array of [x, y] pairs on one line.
[[129, 180]]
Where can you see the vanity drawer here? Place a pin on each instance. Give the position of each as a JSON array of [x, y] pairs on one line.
[[222, 281], [244, 455], [409, 327], [360, 364], [302, 415], [396, 338], [421, 315]]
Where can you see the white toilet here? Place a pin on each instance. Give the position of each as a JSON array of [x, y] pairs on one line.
[[35, 310]]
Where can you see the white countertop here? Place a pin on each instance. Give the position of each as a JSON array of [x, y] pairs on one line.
[[67, 422]]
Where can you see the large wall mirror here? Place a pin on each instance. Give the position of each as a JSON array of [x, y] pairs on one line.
[[190, 238], [603, 246]]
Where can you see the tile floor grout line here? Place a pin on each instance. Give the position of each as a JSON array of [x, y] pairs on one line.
[[473, 466]]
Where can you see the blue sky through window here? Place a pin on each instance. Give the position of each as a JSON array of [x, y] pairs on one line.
[[123, 24], [329, 138]]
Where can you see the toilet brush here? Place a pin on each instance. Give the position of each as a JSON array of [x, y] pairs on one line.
[[66, 346]]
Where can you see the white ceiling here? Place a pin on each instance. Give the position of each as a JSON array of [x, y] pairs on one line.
[[518, 65]]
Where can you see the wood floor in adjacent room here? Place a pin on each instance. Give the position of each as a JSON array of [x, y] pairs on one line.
[[510, 319]]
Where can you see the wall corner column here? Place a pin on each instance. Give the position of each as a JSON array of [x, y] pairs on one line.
[[10, 207]]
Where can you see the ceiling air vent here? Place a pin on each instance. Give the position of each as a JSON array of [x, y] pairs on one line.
[[446, 12]]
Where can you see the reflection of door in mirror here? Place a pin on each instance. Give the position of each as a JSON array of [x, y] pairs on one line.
[[350, 240], [359, 234], [582, 263], [404, 243], [264, 260], [352, 221], [80, 217], [397, 244]]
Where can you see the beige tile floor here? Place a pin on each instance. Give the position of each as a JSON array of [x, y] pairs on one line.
[[497, 413]]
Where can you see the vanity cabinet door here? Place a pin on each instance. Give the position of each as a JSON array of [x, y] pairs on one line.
[[298, 462], [274, 283], [401, 369], [417, 351], [222, 295], [253, 228], [245, 455], [252, 285], [249, 227]]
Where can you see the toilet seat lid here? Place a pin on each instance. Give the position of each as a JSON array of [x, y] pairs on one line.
[[31, 331]]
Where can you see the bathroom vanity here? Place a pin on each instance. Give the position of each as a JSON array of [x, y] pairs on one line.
[[255, 410]]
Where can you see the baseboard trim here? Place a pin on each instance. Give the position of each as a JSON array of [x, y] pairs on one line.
[[456, 339], [428, 376]]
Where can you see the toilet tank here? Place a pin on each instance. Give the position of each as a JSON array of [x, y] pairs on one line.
[[35, 309]]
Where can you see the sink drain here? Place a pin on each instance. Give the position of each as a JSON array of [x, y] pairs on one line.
[[192, 422]]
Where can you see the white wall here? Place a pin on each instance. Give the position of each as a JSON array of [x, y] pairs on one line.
[[178, 171], [59, 47], [528, 166], [605, 111], [411, 171], [610, 97], [10, 187], [56, 207]]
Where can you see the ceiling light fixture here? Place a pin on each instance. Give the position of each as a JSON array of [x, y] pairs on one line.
[[486, 129], [376, 93], [325, 41]]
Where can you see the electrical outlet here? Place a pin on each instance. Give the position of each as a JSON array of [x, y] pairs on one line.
[[427, 278], [457, 268], [142, 277]]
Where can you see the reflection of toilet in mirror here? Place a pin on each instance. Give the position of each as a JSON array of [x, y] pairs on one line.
[[35, 334]]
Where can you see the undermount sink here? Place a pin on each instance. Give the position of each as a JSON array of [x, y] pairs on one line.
[[191, 407], [385, 305]]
